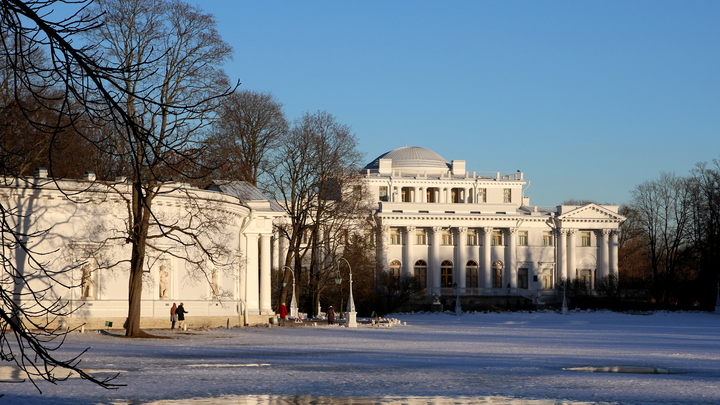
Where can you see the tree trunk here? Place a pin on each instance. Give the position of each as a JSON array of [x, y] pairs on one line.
[[139, 232]]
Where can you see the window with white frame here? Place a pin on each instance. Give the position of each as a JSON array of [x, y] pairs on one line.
[[420, 273], [384, 193], [421, 236], [395, 268], [585, 238], [497, 238], [547, 279], [472, 238], [547, 238], [447, 239], [522, 238], [471, 274], [507, 195], [395, 238], [482, 195], [522, 278], [446, 274]]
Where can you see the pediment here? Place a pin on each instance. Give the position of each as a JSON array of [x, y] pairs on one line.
[[591, 212]]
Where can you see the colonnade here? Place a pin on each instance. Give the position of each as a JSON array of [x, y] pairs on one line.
[[434, 194], [562, 257], [256, 288]]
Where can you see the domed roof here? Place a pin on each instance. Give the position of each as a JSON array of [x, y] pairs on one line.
[[411, 157]]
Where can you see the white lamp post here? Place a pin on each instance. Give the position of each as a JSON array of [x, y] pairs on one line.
[[350, 309], [293, 303]]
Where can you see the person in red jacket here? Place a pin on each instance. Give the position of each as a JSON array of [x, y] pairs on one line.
[[173, 316], [283, 313]]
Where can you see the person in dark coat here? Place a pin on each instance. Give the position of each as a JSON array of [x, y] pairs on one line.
[[331, 315], [180, 311]]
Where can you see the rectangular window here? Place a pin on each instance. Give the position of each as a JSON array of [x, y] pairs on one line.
[[585, 277], [522, 238], [497, 238], [406, 194], [472, 238], [585, 238], [420, 237], [507, 195], [482, 195], [383, 193], [547, 238], [395, 236], [523, 278], [447, 239], [471, 277], [497, 278], [547, 279]]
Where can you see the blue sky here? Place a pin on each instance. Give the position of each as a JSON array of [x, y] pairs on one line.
[[589, 99]]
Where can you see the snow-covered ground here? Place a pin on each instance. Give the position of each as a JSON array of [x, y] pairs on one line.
[[434, 358]]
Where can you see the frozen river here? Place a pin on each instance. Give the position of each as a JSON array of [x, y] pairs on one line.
[[505, 358]]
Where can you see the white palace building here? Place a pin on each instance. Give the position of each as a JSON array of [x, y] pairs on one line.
[[448, 227], [454, 231]]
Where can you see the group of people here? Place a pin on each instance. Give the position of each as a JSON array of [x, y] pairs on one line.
[[283, 312], [177, 314]]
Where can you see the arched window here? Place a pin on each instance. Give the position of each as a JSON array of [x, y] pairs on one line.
[[471, 274], [446, 274], [497, 269], [395, 268], [421, 273]]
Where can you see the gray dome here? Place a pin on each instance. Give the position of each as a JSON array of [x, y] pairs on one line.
[[411, 157]]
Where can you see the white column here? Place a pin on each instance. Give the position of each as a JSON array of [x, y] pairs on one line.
[[572, 267], [265, 275], [603, 254], [434, 258], [562, 254], [486, 257], [613, 255], [461, 255], [251, 274], [383, 233], [511, 257], [408, 258], [418, 195]]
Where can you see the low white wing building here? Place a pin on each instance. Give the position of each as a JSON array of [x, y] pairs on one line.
[[475, 234], [77, 230]]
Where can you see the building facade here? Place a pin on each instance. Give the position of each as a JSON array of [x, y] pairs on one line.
[[77, 230], [476, 234]]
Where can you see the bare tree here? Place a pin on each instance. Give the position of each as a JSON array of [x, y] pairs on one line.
[[248, 131], [706, 229], [168, 54], [664, 221], [318, 185], [54, 86]]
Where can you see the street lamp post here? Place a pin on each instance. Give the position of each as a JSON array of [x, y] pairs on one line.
[[350, 309], [293, 303]]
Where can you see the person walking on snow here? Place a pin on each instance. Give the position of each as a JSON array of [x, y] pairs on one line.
[[180, 311], [283, 313], [330, 315], [173, 316]]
